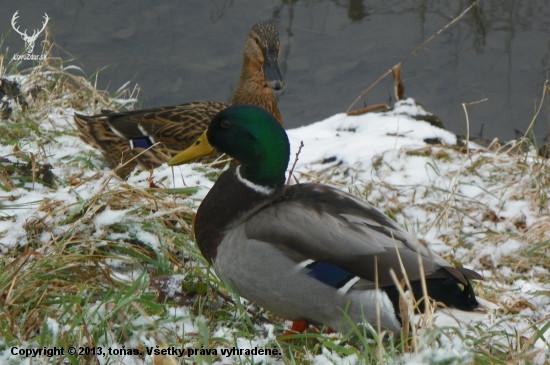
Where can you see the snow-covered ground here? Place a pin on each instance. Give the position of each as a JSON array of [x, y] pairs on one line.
[[486, 210]]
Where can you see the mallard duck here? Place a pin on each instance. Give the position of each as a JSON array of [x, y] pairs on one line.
[[122, 136], [307, 251]]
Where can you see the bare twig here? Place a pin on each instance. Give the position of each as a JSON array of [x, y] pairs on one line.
[[545, 87], [464, 105], [398, 86], [412, 54], [404, 304], [294, 164], [370, 108]]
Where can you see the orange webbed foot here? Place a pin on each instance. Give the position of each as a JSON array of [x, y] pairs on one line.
[[297, 327]]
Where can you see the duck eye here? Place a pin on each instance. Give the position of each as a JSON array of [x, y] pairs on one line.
[[225, 123]]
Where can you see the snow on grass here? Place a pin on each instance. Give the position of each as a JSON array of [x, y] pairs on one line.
[[91, 242], [354, 139]]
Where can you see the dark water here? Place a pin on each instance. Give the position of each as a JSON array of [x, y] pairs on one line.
[[331, 50]]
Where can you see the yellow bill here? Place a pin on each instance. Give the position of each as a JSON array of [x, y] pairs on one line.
[[198, 149]]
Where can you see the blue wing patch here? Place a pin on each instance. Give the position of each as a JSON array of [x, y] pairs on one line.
[[144, 143], [329, 274]]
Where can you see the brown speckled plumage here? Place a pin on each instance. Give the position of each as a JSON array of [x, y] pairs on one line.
[[172, 129]]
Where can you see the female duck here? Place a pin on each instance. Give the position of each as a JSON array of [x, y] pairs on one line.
[[122, 136], [307, 251]]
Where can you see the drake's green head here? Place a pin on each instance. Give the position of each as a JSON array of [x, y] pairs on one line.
[[253, 137]]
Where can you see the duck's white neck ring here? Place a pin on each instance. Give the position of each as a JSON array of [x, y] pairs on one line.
[[257, 188]]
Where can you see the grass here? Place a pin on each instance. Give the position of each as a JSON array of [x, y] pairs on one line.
[[71, 275]]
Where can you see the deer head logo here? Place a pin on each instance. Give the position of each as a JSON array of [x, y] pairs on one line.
[[29, 40]]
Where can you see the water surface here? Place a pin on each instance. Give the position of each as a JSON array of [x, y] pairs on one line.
[[179, 51]]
